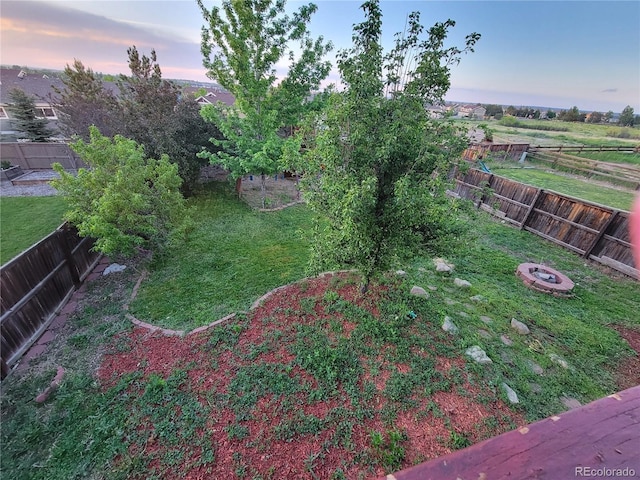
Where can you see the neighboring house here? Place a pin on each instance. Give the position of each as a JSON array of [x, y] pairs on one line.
[[37, 85], [472, 111], [41, 87], [438, 111], [210, 95]]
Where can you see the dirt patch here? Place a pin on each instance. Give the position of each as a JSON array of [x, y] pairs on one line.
[[628, 373], [272, 413], [279, 190]]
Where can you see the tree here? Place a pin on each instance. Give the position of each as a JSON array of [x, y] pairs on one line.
[[124, 200], [594, 117], [24, 118], [493, 110], [571, 115], [376, 167], [606, 118], [551, 114], [155, 114], [84, 101], [626, 117], [241, 44]]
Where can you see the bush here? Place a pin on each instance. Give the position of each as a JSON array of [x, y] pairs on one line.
[[125, 201]]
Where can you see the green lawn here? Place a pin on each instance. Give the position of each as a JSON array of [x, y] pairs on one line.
[[234, 256], [132, 428], [572, 187], [25, 221]]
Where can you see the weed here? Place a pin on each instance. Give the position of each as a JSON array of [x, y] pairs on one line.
[[458, 441], [388, 450]]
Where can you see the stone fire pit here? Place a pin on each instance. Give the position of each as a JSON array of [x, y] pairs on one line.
[[545, 279]]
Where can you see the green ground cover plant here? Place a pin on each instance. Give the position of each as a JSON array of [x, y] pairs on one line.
[[571, 186], [27, 220]]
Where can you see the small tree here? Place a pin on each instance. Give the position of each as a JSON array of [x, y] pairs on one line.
[[241, 44], [626, 117], [84, 101], [377, 165], [551, 114], [24, 118], [157, 115], [125, 200]]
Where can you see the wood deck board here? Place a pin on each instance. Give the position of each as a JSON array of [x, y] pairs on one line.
[[604, 434]]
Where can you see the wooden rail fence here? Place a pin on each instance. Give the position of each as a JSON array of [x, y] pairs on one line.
[[622, 174], [36, 284], [593, 231]]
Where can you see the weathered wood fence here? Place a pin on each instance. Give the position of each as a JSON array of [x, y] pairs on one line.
[[36, 284], [593, 231], [40, 156], [501, 151]]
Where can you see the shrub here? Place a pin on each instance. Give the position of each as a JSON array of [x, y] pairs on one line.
[[125, 201]]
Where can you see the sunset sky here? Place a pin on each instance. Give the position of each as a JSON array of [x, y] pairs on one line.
[[542, 53]]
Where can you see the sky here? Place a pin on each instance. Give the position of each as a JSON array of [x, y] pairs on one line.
[[544, 53]]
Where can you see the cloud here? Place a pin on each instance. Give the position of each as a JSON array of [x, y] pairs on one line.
[[609, 90], [40, 34]]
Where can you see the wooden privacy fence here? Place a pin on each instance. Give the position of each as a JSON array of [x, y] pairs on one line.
[[593, 231], [36, 284], [40, 156], [500, 151]]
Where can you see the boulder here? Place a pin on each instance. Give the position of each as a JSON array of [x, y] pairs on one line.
[[519, 327], [419, 292], [478, 355]]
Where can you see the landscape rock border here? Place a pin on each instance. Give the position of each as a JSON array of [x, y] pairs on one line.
[[181, 333]]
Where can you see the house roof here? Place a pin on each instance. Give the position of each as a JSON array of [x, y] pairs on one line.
[[42, 87], [34, 84], [213, 95]]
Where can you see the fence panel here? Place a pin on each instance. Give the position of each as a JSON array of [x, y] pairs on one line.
[[36, 285], [594, 231], [40, 156]]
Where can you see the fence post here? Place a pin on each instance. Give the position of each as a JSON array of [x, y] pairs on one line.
[[600, 234], [534, 202], [73, 269]]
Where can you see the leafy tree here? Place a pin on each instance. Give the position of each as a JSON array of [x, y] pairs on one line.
[[626, 117], [84, 101], [241, 44], [571, 115], [606, 118], [493, 110], [124, 200], [155, 114], [594, 117], [550, 114], [377, 162], [24, 118]]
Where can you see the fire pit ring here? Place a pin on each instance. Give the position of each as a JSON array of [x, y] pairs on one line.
[[545, 279]]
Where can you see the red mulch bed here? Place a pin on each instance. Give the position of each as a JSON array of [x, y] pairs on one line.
[[261, 450], [628, 374]]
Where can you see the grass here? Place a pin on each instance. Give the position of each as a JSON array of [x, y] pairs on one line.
[[234, 256], [25, 221], [574, 187], [555, 132], [133, 429]]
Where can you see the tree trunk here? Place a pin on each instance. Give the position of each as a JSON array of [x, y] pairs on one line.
[[239, 186], [263, 189]]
